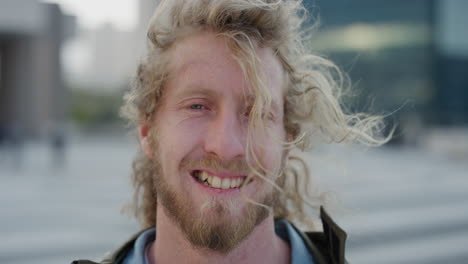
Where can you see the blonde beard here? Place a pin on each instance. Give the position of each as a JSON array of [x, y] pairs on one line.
[[228, 231], [222, 235]]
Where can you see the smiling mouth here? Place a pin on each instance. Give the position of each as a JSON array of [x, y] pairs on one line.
[[217, 182]]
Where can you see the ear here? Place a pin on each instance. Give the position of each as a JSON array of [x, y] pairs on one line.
[[143, 133]]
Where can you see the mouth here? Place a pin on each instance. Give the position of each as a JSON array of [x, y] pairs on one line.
[[216, 182]]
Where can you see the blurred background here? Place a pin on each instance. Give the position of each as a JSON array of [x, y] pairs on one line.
[[65, 155]]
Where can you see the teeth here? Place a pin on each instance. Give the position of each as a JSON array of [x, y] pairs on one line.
[[203, 175], [216, 182], [210, 180], [233, 183], [226, 183]]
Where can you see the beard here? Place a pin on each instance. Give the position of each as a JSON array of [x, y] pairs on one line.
[[221, 231]]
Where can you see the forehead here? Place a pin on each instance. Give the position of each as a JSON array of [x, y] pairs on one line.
[[204, 60]]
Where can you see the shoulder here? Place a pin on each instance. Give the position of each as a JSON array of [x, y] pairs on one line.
[[118, 256], [327, 247]]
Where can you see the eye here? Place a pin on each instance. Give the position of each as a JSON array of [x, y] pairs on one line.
[[197, 107], [265, 116]]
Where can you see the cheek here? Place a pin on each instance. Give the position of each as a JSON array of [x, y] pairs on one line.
[[272, 157], [177, 141], [269, 149]]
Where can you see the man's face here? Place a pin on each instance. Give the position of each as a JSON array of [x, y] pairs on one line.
[[200, 140]]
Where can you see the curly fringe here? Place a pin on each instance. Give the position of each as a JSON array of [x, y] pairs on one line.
[[313, 90]]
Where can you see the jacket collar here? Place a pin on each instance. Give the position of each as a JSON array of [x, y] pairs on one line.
[[327, 247], [335, 237]]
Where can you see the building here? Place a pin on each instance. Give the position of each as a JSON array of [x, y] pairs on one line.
[[408, 58], [33, 98]]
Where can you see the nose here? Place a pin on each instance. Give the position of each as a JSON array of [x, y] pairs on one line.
[[225, 137]]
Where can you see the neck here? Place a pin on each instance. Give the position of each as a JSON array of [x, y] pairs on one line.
[[261, 246]]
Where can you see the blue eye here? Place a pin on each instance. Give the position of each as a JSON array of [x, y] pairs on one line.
[[197, 107]]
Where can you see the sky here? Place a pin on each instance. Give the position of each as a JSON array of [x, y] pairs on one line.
[[92, 13]]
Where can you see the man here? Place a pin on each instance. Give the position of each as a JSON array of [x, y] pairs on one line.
[[224, 96]]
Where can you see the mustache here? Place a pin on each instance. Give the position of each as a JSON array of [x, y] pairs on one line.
[[214, 163]]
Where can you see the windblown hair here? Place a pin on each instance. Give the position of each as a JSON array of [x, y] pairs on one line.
[[313, 89]]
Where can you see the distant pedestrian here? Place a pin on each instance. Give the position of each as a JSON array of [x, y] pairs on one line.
[[58, 147], [12, 145]]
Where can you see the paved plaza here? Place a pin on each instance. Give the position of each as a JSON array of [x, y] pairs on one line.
[[401, 205]]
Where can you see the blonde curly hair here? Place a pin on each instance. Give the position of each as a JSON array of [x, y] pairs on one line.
[[313, 89]]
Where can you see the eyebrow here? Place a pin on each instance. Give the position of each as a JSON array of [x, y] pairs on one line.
[[192, 87], [196, 88]]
